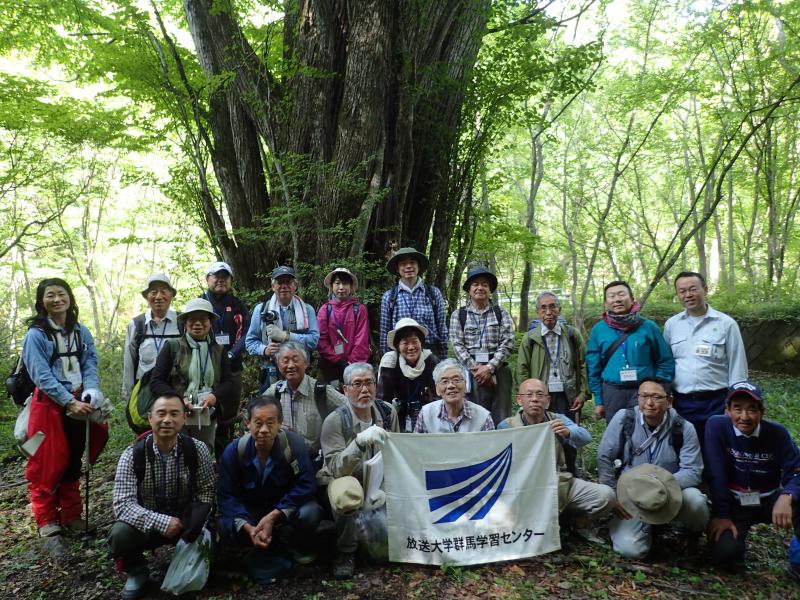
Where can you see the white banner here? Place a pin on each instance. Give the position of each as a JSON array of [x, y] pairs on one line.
[[471, 498]]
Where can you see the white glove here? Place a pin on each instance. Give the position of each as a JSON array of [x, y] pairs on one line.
[[276, 334], [94, 397], [371, 435]]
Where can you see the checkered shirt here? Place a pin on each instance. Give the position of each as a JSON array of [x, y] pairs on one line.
[[498, 338], [160, 502], [417, 306]]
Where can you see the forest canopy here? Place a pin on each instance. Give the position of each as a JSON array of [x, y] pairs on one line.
[[564, 143]]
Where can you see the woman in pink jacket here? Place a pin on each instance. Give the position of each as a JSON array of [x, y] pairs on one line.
[[343, 326]]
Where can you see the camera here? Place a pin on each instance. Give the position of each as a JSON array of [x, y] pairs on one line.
[[269, 316]]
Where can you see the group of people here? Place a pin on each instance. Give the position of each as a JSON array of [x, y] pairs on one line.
[[673, 403]]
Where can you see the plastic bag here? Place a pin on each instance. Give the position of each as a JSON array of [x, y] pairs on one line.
[[188, 570], [373, 535], [21, 426]]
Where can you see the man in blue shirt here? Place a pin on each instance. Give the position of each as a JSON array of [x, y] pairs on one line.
[[708, 350], [754, 470], [412, 298], [624, 349], [283, 317], [266, 487]]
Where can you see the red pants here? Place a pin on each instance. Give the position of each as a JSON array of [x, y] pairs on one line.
[[54, 471]]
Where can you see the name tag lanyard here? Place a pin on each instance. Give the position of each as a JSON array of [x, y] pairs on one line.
[[339, 326], [554, 359], [203, 365], [481, 331], [158, 340]]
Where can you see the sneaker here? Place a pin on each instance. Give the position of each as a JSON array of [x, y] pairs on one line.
[[50, 529], [135, 584], [344, 565]]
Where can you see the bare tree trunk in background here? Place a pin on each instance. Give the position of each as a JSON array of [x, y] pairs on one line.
[[537, 173], [731, 246]]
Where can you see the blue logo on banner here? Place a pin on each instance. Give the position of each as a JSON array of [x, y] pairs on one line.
[[474, 483]]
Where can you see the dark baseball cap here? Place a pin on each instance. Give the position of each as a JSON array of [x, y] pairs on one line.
[[282, 271], [745, 389]]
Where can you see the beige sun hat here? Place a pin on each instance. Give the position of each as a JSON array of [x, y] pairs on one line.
[[650, 493], [158, 278], [341, 271], [345, 494], [197, 305], [402, 324]]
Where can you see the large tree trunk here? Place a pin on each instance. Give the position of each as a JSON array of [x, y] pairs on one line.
[[358, 130]]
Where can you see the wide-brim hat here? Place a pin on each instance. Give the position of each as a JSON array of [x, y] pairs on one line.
[[746, 389], [218, 266], [158, 278], [346, 494], [197, 305], [408, 252], [473, 274], [650, 493], [341, 271], [403, 324]]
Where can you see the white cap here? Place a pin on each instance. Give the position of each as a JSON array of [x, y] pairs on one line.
[[218, 266]]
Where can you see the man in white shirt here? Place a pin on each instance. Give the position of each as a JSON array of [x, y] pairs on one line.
[[708, 350]]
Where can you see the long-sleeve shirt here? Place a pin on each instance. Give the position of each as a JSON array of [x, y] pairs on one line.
[[234, 319], [534, 358], [309, 336], [433, 418], [645, 351], [342, 454], [345, 328], [144, 508], [415, 304], [709, 351], [300, 412], [482, 333], [763, 462], [147, 351], [37, 351], [246, 486], [578, 436], [687, 467]]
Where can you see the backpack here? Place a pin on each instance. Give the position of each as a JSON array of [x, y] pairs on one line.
[[19, 384], [143, 451], [140, 332], [462, 315], [384, 409], [431, 299], [282, 438], [626, 432], [320, 396], [355, 310], [142, 397]]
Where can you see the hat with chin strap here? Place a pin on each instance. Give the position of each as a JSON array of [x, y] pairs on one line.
[[404, 254]]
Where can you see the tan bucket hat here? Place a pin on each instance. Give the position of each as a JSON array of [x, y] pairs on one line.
[[195, 305], [345, 494], [650, 493], [341, 271]]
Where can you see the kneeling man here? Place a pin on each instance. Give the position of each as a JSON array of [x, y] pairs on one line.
[[159, 479], [754, 470], [574, 495], [266, 492], [651, 433], [352, 434]]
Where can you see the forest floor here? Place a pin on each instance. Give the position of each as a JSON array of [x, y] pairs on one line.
[[579, 570]]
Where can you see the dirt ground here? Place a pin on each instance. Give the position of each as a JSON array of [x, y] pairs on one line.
[[580, 570]]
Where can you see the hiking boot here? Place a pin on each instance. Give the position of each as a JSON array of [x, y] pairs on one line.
[[54, 546], [344, 565], [135, 584], [76, 527], [301, 556], [49, 529]]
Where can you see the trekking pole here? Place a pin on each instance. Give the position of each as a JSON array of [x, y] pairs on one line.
[[86, 536]]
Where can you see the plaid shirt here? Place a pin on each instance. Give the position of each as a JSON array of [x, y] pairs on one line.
[[498, 338], [417, 306], [160, 502], [441, 423]]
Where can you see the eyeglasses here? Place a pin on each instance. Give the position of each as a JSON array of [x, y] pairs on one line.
[[550, 307], [455, 380], [530, 395], [653, 397], [358, 385]]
